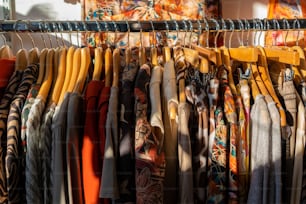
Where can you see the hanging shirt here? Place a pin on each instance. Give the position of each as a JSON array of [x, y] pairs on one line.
[[73, 148], [260, 137], [91, 160], [275, 152], [15, 181], [126, 162], [34, 184], [218, 178], [244, 148], [287, 90], [46, 151], [109, 185], [196, 94], [25, 113], [299, 150], [213, 95], [103, 109], [4, 111], [170, 137], [231, 116], [59, 165], [242, 187], [150, 161]]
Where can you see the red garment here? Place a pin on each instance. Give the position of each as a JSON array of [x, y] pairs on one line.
[[102, 109], [91, 163], [7, 67]]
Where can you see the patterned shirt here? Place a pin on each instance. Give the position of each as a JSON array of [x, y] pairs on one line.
[[15, 180], [34, 186], [150, 161], [4, 110], [25, 113]]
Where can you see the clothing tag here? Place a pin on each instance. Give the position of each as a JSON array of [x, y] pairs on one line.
[[289, 73], [245, 75]]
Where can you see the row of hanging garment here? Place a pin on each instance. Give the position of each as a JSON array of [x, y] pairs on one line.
[[182, 124]]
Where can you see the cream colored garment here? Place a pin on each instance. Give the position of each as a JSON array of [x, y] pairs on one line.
[[156, 119], [170, 99], [299, 151], [275, 153]]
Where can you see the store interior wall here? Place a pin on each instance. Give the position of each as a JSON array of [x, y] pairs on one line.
[[71, 10]]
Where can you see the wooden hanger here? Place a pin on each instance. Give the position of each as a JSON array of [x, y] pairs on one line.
[[5, 50], [69, 66], [60, 76], [300, 70], [45, 87], [56, 59], [76, 66], [85, 63], [108, 67], [282, 55], [98, 66], [33, 52], [42, 65], [182, 96], [116, 67], [33, 55], [265, 76], [21, 59]]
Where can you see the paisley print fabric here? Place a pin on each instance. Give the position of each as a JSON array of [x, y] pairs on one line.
[[149, 155], [145, 10], [4, 111]]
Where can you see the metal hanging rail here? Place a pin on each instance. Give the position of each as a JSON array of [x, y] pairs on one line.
[[147, 26]]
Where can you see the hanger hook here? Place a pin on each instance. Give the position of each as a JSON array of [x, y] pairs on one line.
[[41, 31], [153, 30], [241, 28], [55, 28], [107, 32], [116, 31], [30, 30], [261, 28], [224, 28], [185, 29], [266, 25], [70, 31], [286, 23], [199, 31], [277, 28], [61, 30], [167, 32], [207, 29], [2, 35], [77, 33], [232, 29], [48, 30], [177, 30], [248, 28], [128, 35], [99, 32], [218, 31], [296, 21], [140, 33], [191, 31], [15, 28], [255, 29]]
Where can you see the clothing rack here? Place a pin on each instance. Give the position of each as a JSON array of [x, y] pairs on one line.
[[211, 25]]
